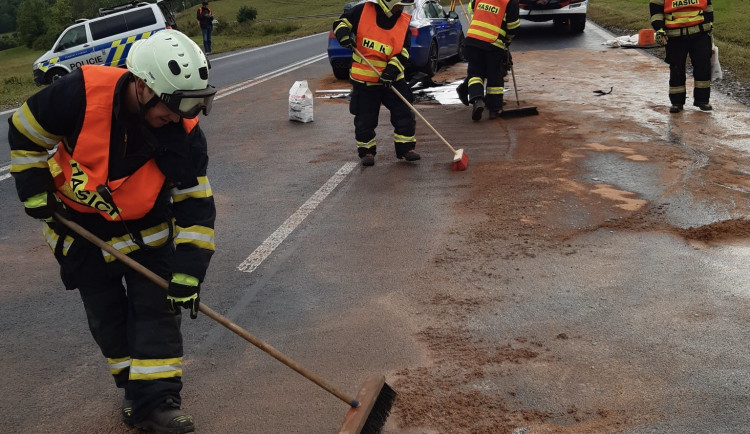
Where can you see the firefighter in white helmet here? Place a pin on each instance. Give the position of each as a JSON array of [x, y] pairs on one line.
[[383, 38], [130, 167]]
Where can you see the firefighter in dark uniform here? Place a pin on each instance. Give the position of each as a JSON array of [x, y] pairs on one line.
[[130, 167], [685, 27], [382, 36], [493, 25]]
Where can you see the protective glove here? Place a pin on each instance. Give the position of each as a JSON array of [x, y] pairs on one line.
[[661, 37], [42, 206], [389, 74], [183, 291], [346, 40], [507, 40]]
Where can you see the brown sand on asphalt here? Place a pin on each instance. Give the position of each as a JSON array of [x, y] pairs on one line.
[[532, 195]]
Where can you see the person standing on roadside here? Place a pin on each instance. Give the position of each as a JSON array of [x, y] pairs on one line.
[[383, 38], [493, 25], [129, 165], [206, 21], [685, 28]]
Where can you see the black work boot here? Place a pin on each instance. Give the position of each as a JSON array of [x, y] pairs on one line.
[[703, 106], [495, 114], [676, 108], [410, 156], [368, 160], [168, 418], [477, 109], [126, 411], [463, 92]]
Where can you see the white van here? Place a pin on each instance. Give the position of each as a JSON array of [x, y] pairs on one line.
[[105, 40]]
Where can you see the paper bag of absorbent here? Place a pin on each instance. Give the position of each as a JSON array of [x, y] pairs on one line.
[[300, 102]]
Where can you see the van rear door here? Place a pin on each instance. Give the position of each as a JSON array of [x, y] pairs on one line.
[[166, 10]]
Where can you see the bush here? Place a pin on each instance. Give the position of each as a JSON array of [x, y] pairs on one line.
[[246, 14], [9, 41]]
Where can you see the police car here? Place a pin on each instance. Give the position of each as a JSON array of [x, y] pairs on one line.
[[105, 40]]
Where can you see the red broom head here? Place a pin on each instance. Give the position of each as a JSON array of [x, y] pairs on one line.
[[460, 161]]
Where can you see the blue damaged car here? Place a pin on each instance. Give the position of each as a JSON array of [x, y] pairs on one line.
[[437, 36]]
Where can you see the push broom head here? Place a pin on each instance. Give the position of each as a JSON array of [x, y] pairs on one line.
[[460, 161], [375, 400], [519, 112]]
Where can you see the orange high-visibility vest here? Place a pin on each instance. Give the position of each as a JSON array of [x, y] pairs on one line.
[[78, 175], [683, 13], [487, 21], [376, 44]]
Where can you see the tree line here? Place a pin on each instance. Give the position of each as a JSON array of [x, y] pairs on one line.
[[36, 24]]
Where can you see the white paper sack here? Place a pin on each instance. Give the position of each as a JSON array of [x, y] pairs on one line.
[[300, 102], [716, 73]]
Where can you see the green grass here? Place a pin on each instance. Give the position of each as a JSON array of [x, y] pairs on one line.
[[16, 78], [731, 33], [626, 16]]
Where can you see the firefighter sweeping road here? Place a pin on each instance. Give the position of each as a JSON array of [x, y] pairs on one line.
[[586, 273]]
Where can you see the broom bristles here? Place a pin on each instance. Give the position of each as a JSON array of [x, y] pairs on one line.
[[380, 411]]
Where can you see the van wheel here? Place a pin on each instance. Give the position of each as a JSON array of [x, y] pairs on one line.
[[55, 74], [577, 24]]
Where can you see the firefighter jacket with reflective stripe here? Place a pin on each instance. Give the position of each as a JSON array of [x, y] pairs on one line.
[[486, 23], [378, 45], [80, 174], [493, 23], [183, 204], [682, 17], [349, 23], [683, 13]]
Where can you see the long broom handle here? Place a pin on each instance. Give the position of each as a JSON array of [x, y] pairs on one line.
[[513, 74], [465, 14], [273, 352], [406, 102]]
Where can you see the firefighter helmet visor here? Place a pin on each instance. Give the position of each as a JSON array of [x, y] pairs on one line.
[[190, 103]]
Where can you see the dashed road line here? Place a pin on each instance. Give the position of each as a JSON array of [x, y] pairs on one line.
[[275, 239]]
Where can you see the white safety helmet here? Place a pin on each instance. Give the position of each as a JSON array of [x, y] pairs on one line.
[[388, 5], [175, 68]]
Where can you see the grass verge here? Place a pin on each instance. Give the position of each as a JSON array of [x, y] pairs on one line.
[[730, 33]]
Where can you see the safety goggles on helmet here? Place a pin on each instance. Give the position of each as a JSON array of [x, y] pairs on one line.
[[390, 4], [189, 103]]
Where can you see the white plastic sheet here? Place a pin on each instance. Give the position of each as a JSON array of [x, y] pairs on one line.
[[300, 102]]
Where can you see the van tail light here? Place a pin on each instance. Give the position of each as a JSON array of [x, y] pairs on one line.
[[414, 31], [331, 35]]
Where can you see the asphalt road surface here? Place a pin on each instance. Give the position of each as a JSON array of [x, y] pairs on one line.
[[587, 273]]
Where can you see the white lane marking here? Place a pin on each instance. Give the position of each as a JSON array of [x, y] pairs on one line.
[[267, 76], [214, 59], [275, 239], [236, 87]]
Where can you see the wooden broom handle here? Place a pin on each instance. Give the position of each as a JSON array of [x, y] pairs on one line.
[[273, 352], [405, 101]]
